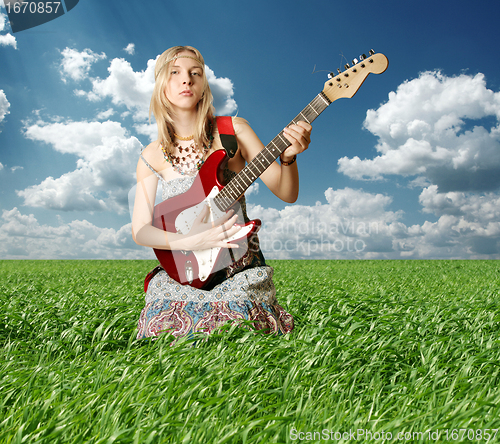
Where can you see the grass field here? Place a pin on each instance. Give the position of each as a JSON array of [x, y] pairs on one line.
[[381, 349]]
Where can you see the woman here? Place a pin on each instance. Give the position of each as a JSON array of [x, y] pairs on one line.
[[187, 135]]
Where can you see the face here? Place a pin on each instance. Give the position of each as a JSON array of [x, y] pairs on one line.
[[185, 84]]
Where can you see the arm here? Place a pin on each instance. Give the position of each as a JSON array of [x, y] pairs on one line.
[[282, 180], [203, 234]]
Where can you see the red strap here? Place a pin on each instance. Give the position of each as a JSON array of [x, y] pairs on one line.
[[225, 125]]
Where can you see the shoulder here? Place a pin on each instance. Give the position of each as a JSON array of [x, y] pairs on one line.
[[153, 156], [151, 150], [243, 130], [240, 125]]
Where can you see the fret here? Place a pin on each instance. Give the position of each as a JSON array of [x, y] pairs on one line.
[[310, 105], [276, 147], [250, 166], [271, 155], [260, 160], [284, 141], [305, 118], [267, 150], [245, 174], [313, 109], [324, 98], [239, 186]]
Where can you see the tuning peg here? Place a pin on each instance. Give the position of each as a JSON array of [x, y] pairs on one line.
[[372, 52], [338, 69], [362, 56], [354, 61], [346, 66], [331, 75]]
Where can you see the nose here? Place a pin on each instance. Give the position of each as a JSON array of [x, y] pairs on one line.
[[187, 79]]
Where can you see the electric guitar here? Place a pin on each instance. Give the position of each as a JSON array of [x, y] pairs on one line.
[[178, 213]]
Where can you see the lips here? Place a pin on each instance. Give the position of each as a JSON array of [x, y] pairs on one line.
[[186, 92]]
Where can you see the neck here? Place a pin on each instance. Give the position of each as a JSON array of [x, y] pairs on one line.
[[185, 123]]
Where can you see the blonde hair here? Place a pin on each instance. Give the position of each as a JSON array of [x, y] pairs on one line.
[[161, 107]]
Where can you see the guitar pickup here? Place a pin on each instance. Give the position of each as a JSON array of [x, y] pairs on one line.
[[188, 270]]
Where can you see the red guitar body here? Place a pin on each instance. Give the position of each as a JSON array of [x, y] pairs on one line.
[[176, 214]]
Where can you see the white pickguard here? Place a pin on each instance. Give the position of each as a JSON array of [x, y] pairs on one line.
[[183, 223]]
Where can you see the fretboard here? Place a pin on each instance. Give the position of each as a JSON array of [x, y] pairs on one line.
[[237, 186]]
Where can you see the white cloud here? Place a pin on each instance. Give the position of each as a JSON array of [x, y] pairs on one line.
[[222, 90], [76, 65], [352, 224], [23, 237], [130, 49], [104, 172], [1, 166], [104, 115], [480, 208], [62, 135], [444, 131], [4, 105], [430, 128], [126, 87], [253, 189], [355, 224], [6, 39], [147, 129]]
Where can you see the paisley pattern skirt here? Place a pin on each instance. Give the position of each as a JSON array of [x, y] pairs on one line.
[[182, 310]]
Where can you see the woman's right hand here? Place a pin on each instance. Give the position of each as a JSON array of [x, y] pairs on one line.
[[206, 234]]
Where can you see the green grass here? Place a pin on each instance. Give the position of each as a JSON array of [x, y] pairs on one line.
[[379, 346]]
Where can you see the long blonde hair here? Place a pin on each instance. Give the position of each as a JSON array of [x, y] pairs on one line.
[[161, 107]]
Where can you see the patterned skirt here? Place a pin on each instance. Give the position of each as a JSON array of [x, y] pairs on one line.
[[182, 310]]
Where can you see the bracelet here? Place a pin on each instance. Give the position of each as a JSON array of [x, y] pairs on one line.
[[294, 158]]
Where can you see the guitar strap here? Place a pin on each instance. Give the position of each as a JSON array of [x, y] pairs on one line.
[[228, 140], [227, 136]]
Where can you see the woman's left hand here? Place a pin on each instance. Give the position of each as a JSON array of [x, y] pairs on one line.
[[300, 136]]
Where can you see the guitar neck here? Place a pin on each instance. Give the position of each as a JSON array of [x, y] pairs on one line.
[[237, 186], [344, 85]]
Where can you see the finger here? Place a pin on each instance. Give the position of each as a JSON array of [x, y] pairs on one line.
[[297, 143], [305, 125], [203, 214], [228, 245], [227, 235], [229, 228], [301, 131], [223, 219], [298, 136]]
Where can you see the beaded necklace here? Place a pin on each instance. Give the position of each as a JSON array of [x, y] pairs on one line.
[[191, 162]]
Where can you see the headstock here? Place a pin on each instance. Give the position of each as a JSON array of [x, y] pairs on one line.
[[347, 83]]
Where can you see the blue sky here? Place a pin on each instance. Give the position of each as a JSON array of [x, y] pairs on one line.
[[407, 168]]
